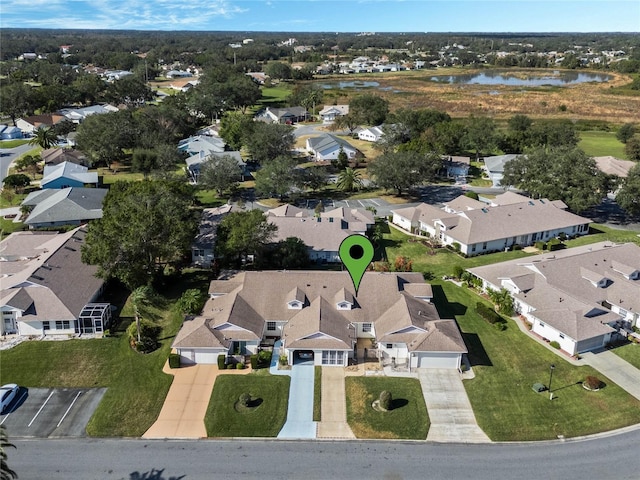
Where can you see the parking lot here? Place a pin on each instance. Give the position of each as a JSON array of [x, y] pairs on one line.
[[51, 412]]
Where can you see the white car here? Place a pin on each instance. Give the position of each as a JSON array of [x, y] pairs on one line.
[[7, 393]]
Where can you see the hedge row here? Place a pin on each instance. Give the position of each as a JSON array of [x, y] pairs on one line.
[[488, 314]]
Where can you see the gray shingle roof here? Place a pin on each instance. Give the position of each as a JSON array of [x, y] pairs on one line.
[[71, 205]]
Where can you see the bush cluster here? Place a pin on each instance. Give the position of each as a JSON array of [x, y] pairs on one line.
[[222, 359], [174, 360], [386, 400], [554, 344], [489, 314], [592, 383]]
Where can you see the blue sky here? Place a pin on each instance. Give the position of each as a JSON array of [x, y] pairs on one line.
[[327, 15]]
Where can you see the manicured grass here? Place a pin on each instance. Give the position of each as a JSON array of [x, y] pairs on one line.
[[122, 174], [507, 363], [275, 96], [136, 385], [630, 353], [265, 420], [14, 200], [601, 233], [209, 198], [408, 419], [13, 143], [317, 394], [600, 144], [8, 226]]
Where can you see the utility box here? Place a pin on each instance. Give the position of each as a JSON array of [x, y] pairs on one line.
[[538, 387]]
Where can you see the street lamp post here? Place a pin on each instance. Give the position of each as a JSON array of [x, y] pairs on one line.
[[551, 368]]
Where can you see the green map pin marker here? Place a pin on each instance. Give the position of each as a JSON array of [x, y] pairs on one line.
[[356, 252]]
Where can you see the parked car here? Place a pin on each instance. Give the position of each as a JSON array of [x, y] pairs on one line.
[[7, 393], [305, 355]]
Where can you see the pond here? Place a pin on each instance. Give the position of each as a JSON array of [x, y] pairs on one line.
[[349, 84], [492, 77]]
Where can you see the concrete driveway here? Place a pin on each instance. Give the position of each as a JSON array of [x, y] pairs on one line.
[[450, 412], [300, 422], [182, 415], [333, 406], [620, 372]]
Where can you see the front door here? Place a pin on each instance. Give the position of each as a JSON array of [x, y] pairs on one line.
[[9, 325]]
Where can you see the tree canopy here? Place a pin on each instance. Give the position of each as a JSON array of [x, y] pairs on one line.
[[560, 173], [628, 197], [369, 109], [267, 141], [243, 233], [144, 226], [403, 170], [277, 177], [220, 173]]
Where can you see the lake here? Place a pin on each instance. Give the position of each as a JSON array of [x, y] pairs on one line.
[[557, 79]]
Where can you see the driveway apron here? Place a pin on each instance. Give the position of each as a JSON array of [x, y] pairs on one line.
[[333, 406], [300, 422], [450, 413], [620, 372]]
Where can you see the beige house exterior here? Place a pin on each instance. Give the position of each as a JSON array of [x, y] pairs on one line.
[[317, 312]]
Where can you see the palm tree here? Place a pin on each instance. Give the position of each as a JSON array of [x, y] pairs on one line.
[[140, 297], [45, 138], [5, 472], [349, 180]]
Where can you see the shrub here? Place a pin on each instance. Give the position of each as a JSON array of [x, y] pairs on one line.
[[386, 400], [244, 399], [458, 271], [517, 247], [500, 326], [221, 361], [540, 245], [283, 360], [254, 361], [472, 194], [149, 334], [239, 366], [230, 366], [554, 244], [174, 360], [456, 246], [488, 314], [554, 344], [592, 383]]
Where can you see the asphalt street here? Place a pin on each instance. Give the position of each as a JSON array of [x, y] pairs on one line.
[[608, 457], [8, 155]]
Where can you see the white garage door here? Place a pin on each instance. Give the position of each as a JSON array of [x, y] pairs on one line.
[[438, 360], [191, 356]]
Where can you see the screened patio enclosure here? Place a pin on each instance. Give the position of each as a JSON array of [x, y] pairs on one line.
[[94, 318]]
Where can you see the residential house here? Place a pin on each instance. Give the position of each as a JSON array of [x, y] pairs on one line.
[[195, 163], [289, 115], [201, 143], [475, 228], [37, 297], [29, 125], [56, 156], [330, 112], [614, 166], [582, 297], [178, 74], [67, 206], [495, 167], [9, 133], [183, 84], [317, 312], [78, 115], [67, 174], [456, 167], [203, 246], [371, 134], [258, 77], [326, 147]]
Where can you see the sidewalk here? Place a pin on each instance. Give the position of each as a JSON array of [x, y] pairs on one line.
[[334, 407]]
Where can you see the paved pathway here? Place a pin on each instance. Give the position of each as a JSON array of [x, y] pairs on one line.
[[620, 372], [182, 415], [299, 423], [334, 406], [450, 413]]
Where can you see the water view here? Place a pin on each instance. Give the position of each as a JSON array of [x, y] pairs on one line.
[[557, 79]]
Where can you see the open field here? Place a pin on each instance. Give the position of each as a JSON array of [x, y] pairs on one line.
[[600, 144], [269, 394], [414, 90], [407, 419]]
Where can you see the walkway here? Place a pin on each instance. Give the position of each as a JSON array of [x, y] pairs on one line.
[[334, 406], [620, 372], [299, 422], [450, 413], [182, 415]]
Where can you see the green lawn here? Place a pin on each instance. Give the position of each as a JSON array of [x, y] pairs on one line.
[[317, 394], [408, 419], [11, 200], [630, 353], [600, 144], [507, 363], [136, 385], [601, 233], [7, 227], [13, 143], [275, 96], [270, 393]]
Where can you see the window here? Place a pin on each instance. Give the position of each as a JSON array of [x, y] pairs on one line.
[[198, 253], [63, 324], [46, 325], [562, 335], [366, 327], [484, 246], [389, 345], [332, 357], [473, 248], [271, 326], [541, 324]]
